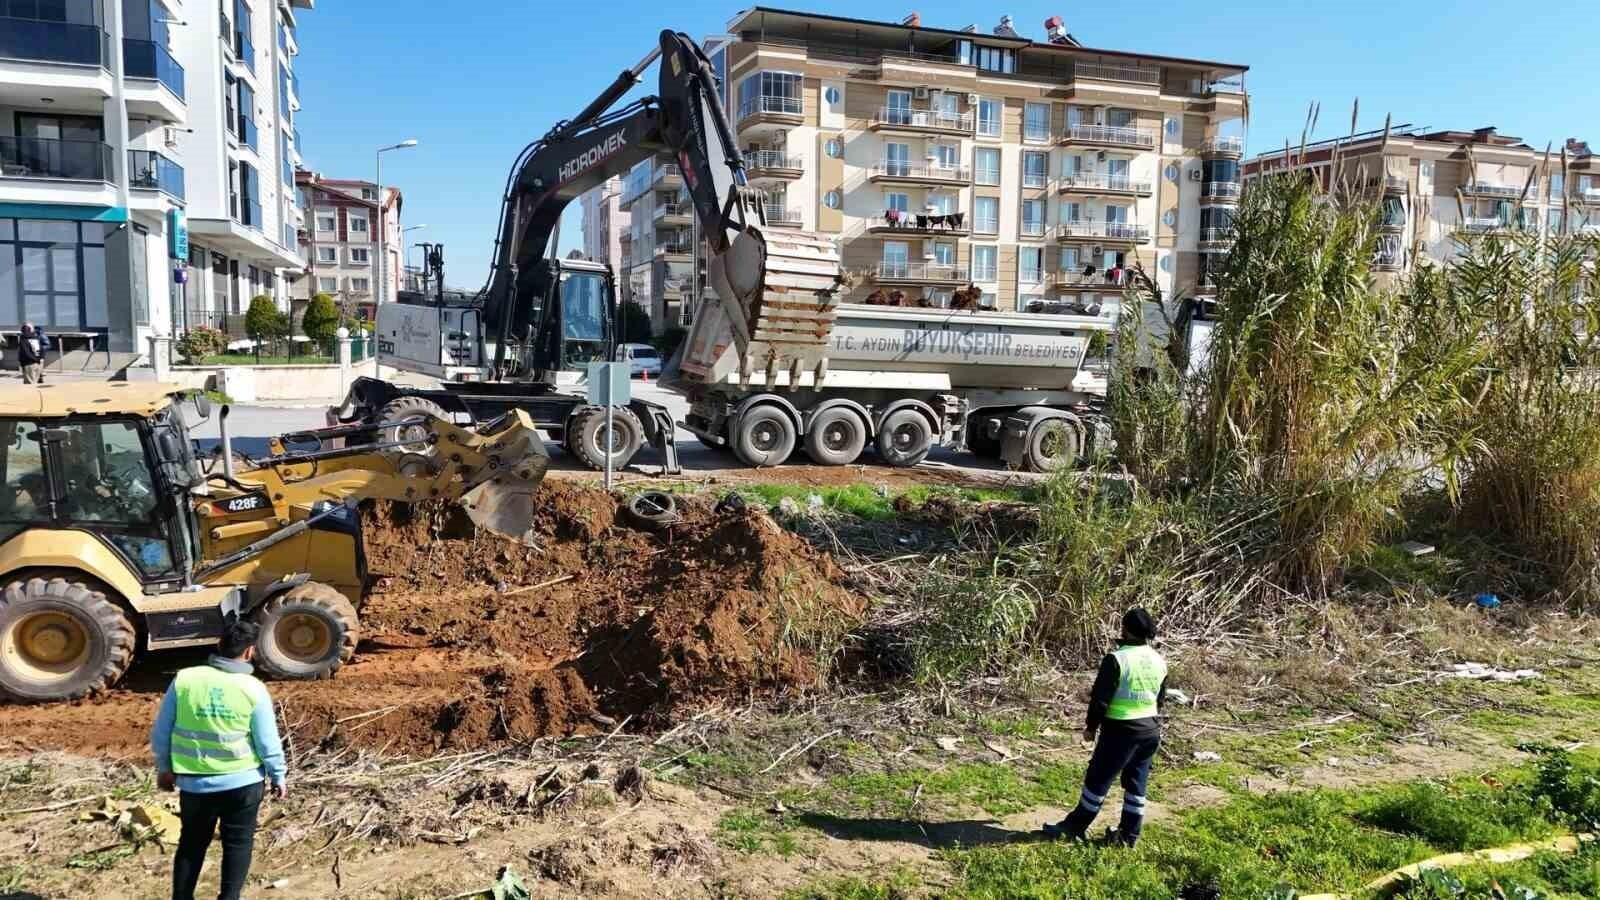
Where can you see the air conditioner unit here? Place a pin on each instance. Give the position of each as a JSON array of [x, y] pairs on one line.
[[170, 136], [1101, 156], [1195, 175], [972, 99], [921, 92], [1097, 250]]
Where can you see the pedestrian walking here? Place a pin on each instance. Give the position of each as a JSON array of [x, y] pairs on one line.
[[215, 739], [30, 354], [1124, 710]]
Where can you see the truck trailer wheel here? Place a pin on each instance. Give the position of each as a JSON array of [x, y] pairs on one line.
[[904, 438], [588, 440], [409, 408], [1053, 445], [307, 632], [836, 437], [60, 638], [764, 436]]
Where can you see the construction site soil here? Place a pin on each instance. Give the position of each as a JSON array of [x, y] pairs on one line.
[[471, 640]]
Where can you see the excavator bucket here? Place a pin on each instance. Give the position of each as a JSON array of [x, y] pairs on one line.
[[500, 497]]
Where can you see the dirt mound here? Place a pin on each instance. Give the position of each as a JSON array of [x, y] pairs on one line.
[[470, 639]]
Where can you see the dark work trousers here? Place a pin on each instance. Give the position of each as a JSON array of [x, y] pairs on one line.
[[200, 813], [1117, 752]]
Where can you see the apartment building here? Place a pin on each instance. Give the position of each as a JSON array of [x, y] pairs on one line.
[[1438, 185], [1036, 170], [340, 243], [604, 223], [129, 169]]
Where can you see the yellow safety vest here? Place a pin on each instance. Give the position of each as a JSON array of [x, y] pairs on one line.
[[1142, 670], [211, 735]]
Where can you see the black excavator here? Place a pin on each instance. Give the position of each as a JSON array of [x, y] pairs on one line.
[[539, 316]]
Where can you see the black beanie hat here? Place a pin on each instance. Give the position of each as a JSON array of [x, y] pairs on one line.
[[1136, 623]]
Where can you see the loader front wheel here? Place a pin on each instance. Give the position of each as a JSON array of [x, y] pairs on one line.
[[307, 632], [60, 638], [764, 436], [589, 440], [414, 436]]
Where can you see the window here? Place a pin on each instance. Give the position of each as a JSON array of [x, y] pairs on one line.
[[360, 255], [985, 265], [1116, 214], [770, 92], [986, 215], [989, 117], [993, 59], [1030, 265], [328, 285], [897, 159], [369, 193], [1068, 261], [1035, 168], [1072, 166], [896, 255], [358, 224], [1558, 186], [327, 222], [898, 112], [1119, 118], [944, 253], [947, 156], [328, 254], [1032, 218], [360, 285], [986, 165], [834, 148], [941, 204], [1036, 123], [1071, 211], [833, 199], [896, 201]]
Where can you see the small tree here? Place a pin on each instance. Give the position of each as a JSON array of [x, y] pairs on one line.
[[321, 319], [264, 321], [633, 323], [200, 342]]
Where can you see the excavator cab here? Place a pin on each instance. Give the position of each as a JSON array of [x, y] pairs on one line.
[[581, 325]]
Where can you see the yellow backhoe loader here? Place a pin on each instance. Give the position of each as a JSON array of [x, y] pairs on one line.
[[114, 537]]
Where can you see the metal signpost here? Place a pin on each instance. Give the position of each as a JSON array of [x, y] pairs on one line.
[[609, 386]]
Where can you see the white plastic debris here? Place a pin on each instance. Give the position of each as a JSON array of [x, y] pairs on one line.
[[947, 743], [1481, 672], [788, 507], [1207, 756], [1179, 697], [814, 502]]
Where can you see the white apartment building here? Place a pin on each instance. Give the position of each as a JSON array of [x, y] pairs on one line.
[[144, 146]]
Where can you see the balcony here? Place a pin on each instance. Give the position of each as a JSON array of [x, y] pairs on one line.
[[1123, 74], [245, 212], [244, 50], [917, 273], [766, 110], [785, 216], [1223, 147], [247, 131], [1588, 195], [1482, 224], [38, 40], [1387, 262], [1036, 229], [1392, 223], [675, 248], [895, 172], [1077, 281], [1104, 232], [148, 59], [1479, 189], [22, 157], [936, 225], [666, 175], [1099, 183], [1110, 136], [1220, 191], [150, 171], [772, 164], [1216, 240], [674, 213], [901, 120], [1393, 184]]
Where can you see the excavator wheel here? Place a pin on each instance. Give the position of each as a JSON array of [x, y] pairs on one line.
[[307, 632], [61, 638], [586, 436], [905, 438], [408, 408]]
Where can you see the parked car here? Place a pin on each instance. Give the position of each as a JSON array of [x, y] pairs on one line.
[[642, 359]]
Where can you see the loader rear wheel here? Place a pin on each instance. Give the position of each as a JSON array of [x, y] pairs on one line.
[[905, 438], [764, 437], [1053, 445], [60, 638], [409, 408], [307, 632], [836, 437], [589, 441]]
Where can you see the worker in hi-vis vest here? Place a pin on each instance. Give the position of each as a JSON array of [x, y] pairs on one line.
[[1124, 708], [216, 740]]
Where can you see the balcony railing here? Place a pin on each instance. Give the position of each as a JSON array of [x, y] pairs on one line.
[[787, 106], [931, 119], [1588, 195], [151, 171], [245, 212], [985, 273], [57, 42], [247, 130], [1117, 231], [148, 59], [770, 159], [920, 171], [245, 50], [1220, 190], [1032, 229], [778, 214], [1225, 86], [1479, 189], [1222, 144], [1130, 74], [672, 209], [666, 170], [1483, 223], [1121, 135], [1212, 237], [1097, 181], [25, 157], [918, 271], [676, 248]]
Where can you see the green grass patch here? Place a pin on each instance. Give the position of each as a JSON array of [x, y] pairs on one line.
[[899, 884], [873, 503], [250, 359], [998, 789], [749, 830]]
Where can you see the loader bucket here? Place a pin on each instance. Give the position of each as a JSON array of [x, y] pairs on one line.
[[501, 496]]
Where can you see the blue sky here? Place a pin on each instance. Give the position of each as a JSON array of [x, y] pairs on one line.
[[474, 82]]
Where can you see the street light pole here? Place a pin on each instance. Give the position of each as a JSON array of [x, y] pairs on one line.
[[405, 251], [382, 291]]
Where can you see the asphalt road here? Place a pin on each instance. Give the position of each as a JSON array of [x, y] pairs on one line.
[[250, 426]]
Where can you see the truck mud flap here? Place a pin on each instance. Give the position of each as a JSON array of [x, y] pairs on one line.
[[660, 431]]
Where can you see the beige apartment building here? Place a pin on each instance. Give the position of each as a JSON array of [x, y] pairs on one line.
[[1438, 185], [1036, 170], [340, 242]]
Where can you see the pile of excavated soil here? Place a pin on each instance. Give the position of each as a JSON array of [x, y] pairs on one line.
[[471, 640]]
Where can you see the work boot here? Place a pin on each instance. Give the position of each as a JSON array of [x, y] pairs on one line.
[[1117, 837], [1062, 831]]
